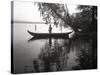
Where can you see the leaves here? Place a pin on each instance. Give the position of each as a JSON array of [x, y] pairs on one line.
[[59, 15], [54, 12]]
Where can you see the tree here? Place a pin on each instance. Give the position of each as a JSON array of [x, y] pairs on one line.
[[58, 13], [86, 19]]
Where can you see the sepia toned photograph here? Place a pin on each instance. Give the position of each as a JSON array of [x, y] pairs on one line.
[[52, 37]]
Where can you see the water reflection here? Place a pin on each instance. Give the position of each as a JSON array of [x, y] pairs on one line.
[[51, 54], [64, 54]]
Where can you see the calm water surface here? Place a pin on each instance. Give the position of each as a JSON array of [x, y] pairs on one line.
[[47, 55]]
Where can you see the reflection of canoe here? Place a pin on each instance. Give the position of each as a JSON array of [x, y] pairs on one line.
[[42, 38], [44, 35]]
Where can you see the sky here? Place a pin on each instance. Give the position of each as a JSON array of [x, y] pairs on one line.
[[28, 12]]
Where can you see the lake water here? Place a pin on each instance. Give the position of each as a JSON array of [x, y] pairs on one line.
[[47, 55]]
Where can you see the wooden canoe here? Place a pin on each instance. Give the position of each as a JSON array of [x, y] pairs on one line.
[[43, 35]]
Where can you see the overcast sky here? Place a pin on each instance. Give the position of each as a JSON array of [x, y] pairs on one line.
[[27, 11]]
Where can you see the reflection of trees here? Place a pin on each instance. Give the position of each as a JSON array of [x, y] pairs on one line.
[[74, 54], [86, 56], [53, 57]]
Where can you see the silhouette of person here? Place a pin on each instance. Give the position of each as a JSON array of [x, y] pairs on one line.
[[50, 29], [35, 27]]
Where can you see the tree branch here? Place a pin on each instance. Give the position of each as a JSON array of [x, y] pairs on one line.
[[58, 15]]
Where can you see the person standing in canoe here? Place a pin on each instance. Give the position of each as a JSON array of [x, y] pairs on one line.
[[50, 29], [35, 27]]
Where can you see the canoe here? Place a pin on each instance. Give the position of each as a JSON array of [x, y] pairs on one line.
[[44, 35]]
